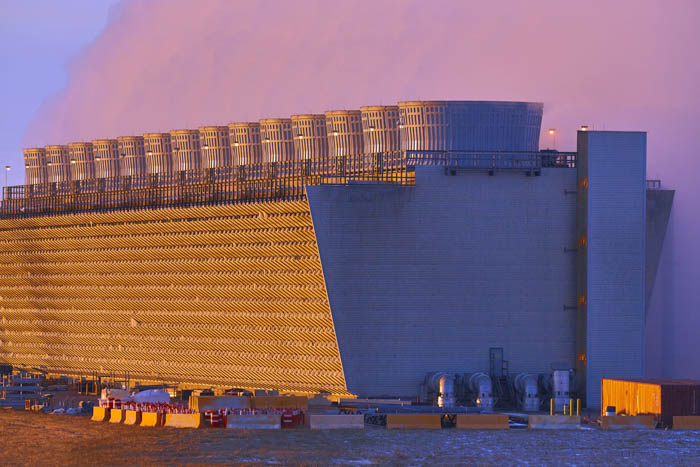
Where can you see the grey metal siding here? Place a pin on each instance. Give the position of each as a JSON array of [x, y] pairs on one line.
[[470, 125], [428, 278]]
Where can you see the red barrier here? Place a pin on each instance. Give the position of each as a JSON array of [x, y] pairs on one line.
[[214, 418], [298, 417], [287, 419]]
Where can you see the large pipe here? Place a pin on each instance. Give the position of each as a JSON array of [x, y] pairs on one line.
[[526, 386], [444, 385], [480, 383]]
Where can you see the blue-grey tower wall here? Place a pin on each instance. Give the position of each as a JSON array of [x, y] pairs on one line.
[[470, 125], [611, 257], [427, 278]]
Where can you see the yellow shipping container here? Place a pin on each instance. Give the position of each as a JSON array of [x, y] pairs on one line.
[[631, 397], [662, 398]]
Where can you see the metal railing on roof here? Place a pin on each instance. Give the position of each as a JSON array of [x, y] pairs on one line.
[[275, 181], [492, 160], [653, 184]]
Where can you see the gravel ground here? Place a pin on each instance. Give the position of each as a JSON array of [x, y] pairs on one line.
[[41, 439]]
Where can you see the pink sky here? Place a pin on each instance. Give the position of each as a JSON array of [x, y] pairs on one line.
[[176, 63], [623, 65]]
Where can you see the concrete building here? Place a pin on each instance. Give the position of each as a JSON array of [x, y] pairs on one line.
[[246, 147], [380, 128], [106, 154], [215, 147], [159, 153], [35, 166], [186, 150], [310, 138], [57, 163], [276, 138], [360, 284], [82, 162]]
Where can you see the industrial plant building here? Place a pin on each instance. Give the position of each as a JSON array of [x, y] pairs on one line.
[[355, 252]]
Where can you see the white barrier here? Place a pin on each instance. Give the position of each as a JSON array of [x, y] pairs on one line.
[[259, 421], [325, 422]]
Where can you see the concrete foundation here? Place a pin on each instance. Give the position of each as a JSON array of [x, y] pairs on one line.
[[553, 422], [621, 422], [413, 421], [483, 422], [688, 422], [325, 422]]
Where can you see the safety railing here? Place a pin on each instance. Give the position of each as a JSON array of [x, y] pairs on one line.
[[274, 181], [492, 160], [653, 184]]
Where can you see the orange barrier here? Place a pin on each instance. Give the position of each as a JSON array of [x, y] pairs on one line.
[[215, 418], [622, 422], [416, 421], [117, 416], [151, 419], [184, 420], [100, 414], [159, 407], [132, 418], [686, 422], [498, 421]]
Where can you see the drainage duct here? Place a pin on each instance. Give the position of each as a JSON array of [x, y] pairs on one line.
[[526, 385], [480, 383], [443, 385]]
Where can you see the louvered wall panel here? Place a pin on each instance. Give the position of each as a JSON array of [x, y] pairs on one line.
[[216, 295]]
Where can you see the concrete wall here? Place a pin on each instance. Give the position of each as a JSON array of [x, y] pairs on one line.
[[658, 212], [427, 278], [611, 174]]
